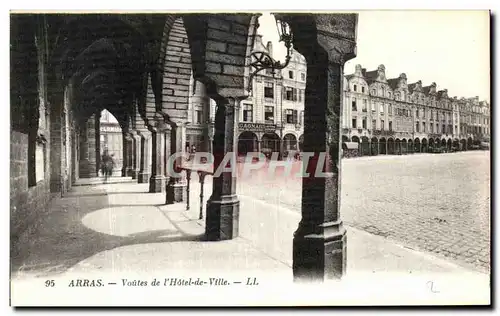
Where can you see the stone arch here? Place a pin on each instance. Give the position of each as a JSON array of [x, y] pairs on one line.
[[290, 142], [443, 143], [383, 146], [247, 142], [365, 146], [417, 145], [425, 145], [355, 139], [270, 142], [391, 147], [410, 146], [469, 143], [449, 144], [374, 148], [463, 144], [404, 146], [432, 145]]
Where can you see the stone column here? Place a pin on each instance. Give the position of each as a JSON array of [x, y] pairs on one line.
[[130, 155], [157, 179], [145, 157], [136, 154], [319, 243], [201, 98], [91, 143], [125, 153], [176, 187], [222, 217], [98, 142]]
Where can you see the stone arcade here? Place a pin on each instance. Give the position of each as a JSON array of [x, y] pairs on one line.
[[65, 69]]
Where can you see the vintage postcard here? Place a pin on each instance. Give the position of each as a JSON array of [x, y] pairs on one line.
[[333, 158]]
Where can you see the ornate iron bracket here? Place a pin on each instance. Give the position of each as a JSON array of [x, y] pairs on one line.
[[263, 60]]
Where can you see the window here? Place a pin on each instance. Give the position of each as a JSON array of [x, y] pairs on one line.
[[389, 94], [390, 125], [364, 122], [269, 90], [355, 88], [290, 94], [363, 89], [373, 107], [431, 128], [247, 113], [269, 113], [381, 109], [396, 96], [389, 109], [300, 95], [303, 76], [354, 125], [40, 162], [291, 116], [365, 105], [443, 129], [199, 117], [374, 92], [418, 113], [456, 130], [423, 127], [417, 127], [354, 108], [382, 124], [290, 74], [374, 124]]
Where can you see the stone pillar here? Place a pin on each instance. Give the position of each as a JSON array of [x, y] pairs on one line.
[[98, 142], [319, 243], [145, 157], [130, 155], [176, 187], [222, 217], [125, 153], [91, 143], [157, 180], [136, 154], [83, 162], [201, 98]]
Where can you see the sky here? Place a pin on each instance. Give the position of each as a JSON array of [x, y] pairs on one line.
[[450, 48]]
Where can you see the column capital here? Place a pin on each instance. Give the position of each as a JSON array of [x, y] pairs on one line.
[[335, 33]]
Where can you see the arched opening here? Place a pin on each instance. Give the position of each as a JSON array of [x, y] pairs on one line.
[[374, 146], [404, 146], [397, 147], [270, 143], [111, 141], [247, 142], [449, 144], [290, 142], [425, 146], [444, 144], [417, 145], [355, 139], [365, 146], [383, 146], [431, 145], [390, 147], [463, 144], [456, 145]]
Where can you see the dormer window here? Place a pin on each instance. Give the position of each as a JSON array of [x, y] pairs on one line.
[[355, 88], [389, 94], [363, 89], [290, 74]]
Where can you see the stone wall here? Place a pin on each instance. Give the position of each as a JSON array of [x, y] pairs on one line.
[[26, 203]]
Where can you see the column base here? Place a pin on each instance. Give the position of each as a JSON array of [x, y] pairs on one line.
[[157, 184], [130, 172], [320, 257], [222, 218], [135, 174], [143, 177], [176, 192]]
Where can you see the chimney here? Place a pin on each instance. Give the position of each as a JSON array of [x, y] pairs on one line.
[[258, 41], [270, 48]]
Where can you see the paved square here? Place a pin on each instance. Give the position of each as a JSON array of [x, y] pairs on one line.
[[437, 203]]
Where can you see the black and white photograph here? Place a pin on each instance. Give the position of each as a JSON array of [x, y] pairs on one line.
[[261, 158]]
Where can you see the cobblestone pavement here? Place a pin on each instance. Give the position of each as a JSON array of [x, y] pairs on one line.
[[436, 203]]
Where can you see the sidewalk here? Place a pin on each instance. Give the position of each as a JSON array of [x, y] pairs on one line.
[[119, 228]]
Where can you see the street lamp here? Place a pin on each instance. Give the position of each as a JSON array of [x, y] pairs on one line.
[[261, 60]]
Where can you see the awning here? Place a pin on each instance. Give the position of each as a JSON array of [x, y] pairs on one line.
[[350, 145]]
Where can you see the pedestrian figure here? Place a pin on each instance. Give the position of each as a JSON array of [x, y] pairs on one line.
[[107, 165]]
